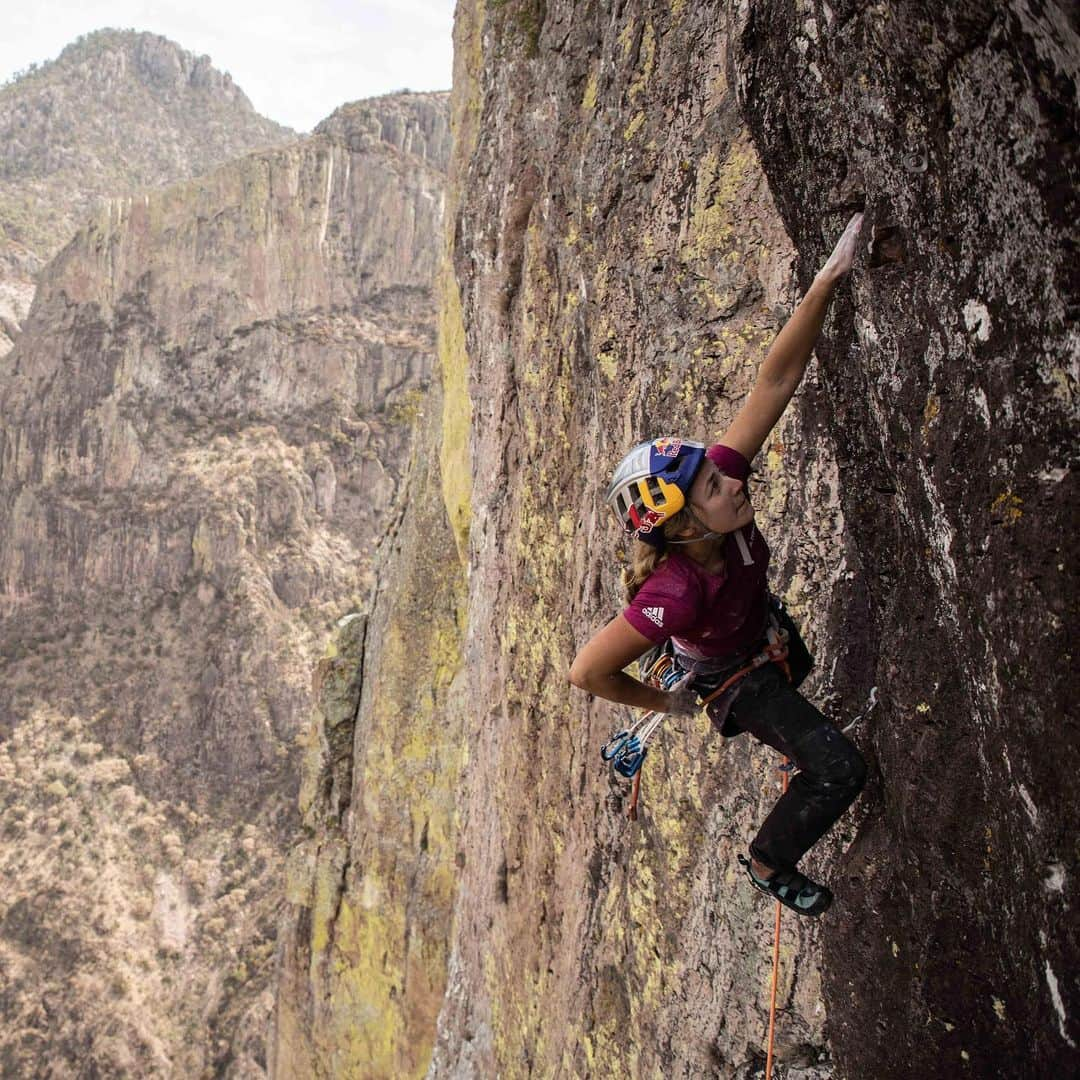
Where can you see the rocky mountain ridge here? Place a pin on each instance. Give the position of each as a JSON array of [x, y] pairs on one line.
[[116, 112]]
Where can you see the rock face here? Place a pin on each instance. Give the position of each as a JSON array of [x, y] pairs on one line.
[[636, 196], [205, 425], [416, 124], [622, 268], [117, 111], [951, 393]]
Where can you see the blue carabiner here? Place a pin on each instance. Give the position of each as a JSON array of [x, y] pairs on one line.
[[619, 739], [627, 764]]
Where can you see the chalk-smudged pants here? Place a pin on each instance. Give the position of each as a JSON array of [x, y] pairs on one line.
[[831, 771]]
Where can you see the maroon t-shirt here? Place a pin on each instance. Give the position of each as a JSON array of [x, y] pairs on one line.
[[708, 615]]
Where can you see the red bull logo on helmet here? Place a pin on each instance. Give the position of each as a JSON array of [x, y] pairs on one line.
[[649, 521], [667, 447]]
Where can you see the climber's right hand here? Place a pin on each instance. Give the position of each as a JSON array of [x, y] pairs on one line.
[[680, 702]]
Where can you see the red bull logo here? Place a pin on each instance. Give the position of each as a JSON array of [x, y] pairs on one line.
[[668, 447], [648, 521]]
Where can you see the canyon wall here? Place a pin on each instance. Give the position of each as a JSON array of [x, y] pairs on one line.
[[204, 429]]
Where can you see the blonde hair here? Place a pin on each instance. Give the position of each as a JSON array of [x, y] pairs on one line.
[[645, 558]]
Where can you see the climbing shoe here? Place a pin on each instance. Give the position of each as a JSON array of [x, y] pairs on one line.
[[792, 889]]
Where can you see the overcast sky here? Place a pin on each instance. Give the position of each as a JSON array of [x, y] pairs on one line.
[[296, 61]]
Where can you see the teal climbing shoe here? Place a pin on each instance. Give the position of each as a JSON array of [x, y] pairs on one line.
[[792, 889]]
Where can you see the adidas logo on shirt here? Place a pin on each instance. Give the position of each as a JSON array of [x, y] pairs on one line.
[[656, 614]]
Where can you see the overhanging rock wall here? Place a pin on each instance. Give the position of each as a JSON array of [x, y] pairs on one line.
[[950, 393]]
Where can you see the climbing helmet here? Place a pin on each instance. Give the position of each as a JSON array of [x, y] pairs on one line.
[[652, 484]]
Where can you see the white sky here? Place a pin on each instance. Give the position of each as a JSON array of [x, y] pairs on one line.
[[296, 61]]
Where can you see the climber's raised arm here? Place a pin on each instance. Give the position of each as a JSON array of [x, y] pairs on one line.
[[782, 369]]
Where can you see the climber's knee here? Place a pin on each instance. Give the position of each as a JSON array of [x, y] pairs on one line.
[[833, 763]]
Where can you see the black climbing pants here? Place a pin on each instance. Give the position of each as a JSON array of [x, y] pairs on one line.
[[831, 771]]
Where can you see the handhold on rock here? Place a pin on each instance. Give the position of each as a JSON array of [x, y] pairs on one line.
[[886, 246]]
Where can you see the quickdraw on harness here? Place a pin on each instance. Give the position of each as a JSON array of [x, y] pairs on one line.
[[625, 751]]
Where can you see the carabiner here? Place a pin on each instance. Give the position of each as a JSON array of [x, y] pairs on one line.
[[619, 739], [629, 763]]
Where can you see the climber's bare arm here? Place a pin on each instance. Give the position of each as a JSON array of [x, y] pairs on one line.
[[785, 363], [598, 667]]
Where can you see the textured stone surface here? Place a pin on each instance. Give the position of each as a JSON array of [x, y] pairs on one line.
[[364, 946], [951, 393], [204, 427], [621, 269], [417, 124]]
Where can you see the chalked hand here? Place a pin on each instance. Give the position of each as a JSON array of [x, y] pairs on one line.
[[843, 255]]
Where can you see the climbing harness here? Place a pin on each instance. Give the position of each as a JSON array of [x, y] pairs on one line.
[[775, 652], [626, 749]]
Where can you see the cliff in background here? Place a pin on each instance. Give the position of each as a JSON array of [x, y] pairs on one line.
[[636, 197], [115, 112], [204, 429]]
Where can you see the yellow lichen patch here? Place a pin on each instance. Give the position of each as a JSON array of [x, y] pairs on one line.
[[608, 364], [1061, 383], [647, 58], [588, 99], [326, 892], [931, 410], [793, 594], [634, 126], [712, 214], [1007, 507], [365, 1033]]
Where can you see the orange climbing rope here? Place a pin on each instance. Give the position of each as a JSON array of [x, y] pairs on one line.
[[775, 972], [631, 813]]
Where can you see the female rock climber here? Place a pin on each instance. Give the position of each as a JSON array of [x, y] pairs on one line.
[[698, 580]]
